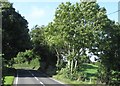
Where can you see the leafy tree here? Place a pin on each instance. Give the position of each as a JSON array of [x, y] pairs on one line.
[[76, 28], [54, 41], [3, 0], [26, 56], [15, 36], [110, 49], [41, 47]]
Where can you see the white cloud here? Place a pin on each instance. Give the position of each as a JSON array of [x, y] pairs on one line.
[[36, 13]]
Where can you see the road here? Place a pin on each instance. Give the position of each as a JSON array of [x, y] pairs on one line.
[[34, 78]]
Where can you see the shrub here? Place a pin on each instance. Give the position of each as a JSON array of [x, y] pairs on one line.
[[27, 59], [26, 56]]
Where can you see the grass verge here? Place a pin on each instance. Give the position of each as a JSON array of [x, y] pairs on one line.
[[68, 81], [8, 80], [8, 76], [90, 70]]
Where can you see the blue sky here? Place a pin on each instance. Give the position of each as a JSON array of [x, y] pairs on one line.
[[42, 12]]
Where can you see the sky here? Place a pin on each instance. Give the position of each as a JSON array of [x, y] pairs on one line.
[[41, 12]]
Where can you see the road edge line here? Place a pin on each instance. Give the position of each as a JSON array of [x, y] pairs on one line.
[[57, 81], [16, 81]]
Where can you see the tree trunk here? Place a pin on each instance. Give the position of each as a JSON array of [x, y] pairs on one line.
[[108, 76], [68, 64], [75, 64], [71, 66], [58, 58]]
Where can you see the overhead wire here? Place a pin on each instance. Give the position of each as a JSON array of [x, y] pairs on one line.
[[113, 12]]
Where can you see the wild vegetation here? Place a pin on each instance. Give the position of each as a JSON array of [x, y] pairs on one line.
[[63, 46], [27, 59]]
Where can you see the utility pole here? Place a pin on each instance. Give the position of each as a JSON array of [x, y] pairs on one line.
[[119, 12]]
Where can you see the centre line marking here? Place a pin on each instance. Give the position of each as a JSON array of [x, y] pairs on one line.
[[36, 78]]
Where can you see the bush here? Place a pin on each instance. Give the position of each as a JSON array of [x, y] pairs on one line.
[[27, 59], [74, 76], [26, 56]]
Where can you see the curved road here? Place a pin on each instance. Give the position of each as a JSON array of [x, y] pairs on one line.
[[34, 78]]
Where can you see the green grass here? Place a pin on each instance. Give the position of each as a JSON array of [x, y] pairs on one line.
[[8, 76], [89, 69], [8, 80], [68, 81], [25, 66]]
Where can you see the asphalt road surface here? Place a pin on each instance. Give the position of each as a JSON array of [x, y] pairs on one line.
[[34, 78]]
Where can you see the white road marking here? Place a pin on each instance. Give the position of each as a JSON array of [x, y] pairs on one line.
[[16, 79], [36, 78], [57, 81]]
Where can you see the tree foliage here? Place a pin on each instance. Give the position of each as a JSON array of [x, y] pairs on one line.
[[26, 56], [15, 36], [78, 28], [41, 47]]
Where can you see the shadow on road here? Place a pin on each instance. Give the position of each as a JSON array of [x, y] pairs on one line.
[[30, 73]]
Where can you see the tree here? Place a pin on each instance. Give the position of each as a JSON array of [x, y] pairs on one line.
[[15, 36], [41, 47], [74, 30], [3, 0], [110, 49], [26, 56]]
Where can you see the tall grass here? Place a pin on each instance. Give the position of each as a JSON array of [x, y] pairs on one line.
[[88, 71]]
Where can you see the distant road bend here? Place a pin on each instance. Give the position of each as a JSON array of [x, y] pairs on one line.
[[34, 78]]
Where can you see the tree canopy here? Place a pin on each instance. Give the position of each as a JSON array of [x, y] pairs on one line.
[[79, 28], [15, 36]]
